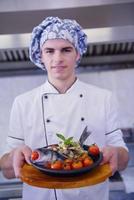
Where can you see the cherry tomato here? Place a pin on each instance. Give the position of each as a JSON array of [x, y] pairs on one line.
[[67, 166], [87, 161], [48, 164], [94, 150], [68, 161], [57, 164], [77, 164], [83, 156], [34, 155]]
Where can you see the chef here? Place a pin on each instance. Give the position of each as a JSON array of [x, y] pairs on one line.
[[63, 104]]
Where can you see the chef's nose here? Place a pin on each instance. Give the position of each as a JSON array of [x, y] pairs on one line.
[[58, 57]]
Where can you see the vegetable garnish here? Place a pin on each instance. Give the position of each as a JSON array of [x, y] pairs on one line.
[[69, 147], [67, 141]]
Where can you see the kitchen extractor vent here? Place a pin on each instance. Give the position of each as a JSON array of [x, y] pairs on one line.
[[14, 55], [110, 49], [97, 54]]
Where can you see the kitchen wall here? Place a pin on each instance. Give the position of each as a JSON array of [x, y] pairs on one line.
[[121, 82]]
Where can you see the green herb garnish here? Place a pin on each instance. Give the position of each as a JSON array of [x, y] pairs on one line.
[[67, 141]]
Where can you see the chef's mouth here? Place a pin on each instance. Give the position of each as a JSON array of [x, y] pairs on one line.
[[59, 66]]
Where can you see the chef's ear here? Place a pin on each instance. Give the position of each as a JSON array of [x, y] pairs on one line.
[[41, 54], [78, 59], [78, 56]]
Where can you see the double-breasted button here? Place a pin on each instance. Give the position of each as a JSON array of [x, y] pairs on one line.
[[47, 120], [81, 95], [82, 118], [46, 97]]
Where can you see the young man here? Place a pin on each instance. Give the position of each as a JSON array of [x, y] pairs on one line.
[[63, 104]]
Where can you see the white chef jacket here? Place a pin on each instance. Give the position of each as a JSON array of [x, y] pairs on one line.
[[38, 115]]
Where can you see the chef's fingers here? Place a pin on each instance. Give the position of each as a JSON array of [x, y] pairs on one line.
[[21, 155], [110, 155]]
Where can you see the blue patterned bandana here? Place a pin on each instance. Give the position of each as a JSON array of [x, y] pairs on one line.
[[55, 28]]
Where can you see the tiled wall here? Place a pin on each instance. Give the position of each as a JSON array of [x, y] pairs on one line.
[[119, 81]]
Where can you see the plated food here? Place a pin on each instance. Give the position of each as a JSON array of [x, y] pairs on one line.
[[66, 158]]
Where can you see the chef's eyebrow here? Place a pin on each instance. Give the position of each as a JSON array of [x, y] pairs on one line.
[[67, 48], [64, 48], [48, 48]]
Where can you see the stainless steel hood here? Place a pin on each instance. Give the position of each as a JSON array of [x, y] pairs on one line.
[[109, 25]]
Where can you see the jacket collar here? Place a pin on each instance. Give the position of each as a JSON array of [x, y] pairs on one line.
[[48, 88]]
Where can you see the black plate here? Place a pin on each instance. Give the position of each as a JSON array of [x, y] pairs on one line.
[[74, 172]]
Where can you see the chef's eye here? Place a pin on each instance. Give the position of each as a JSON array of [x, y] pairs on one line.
[[67, 50], [49, 51]]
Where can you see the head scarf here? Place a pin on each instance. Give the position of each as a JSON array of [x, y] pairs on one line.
[[55, 28]]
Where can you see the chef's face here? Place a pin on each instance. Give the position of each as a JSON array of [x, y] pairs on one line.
[[59, 58]]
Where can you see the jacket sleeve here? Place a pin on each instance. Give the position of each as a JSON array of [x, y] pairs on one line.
[[113, 133], [15, 134]]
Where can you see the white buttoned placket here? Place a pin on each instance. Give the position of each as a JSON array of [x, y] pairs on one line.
[[45, 120], [64, 118]]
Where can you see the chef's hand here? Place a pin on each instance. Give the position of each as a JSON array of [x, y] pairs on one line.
[[20, 156], [110, 155]]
